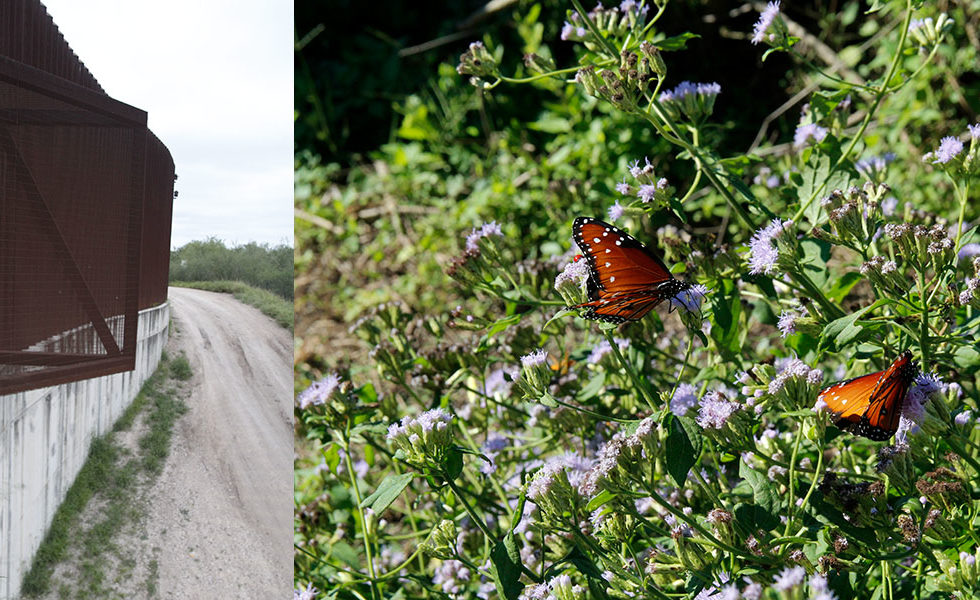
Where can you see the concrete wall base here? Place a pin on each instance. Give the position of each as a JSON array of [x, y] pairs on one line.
[[45, 435]]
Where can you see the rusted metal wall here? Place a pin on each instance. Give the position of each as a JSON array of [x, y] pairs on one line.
[[86, 195]]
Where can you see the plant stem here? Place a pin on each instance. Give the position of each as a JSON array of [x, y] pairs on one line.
[[879, 96], [647, 395], [360, 510], [466, 505]]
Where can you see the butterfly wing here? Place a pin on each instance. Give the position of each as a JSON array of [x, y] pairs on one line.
[[626, 280], [871, 405]]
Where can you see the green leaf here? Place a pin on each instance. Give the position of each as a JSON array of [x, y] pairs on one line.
[[753, 517], [345, 553], [966, 357], [593, 388], [812, 177], [842, 286], [561, 314], [680, 452], [816, 253], [726, 312], [453, 465], [845, 329], [677, 42], [391, 487], [600, 500], [548, 400], [505, 567], [762, 489]]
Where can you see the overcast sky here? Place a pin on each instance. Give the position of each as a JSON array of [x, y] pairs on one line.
[[216, 79]]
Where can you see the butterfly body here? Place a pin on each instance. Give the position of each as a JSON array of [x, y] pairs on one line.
[[626, 279], [871, 405]]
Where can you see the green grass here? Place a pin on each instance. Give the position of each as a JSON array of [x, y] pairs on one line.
[[272, 305], [111, 474], [180, 368]]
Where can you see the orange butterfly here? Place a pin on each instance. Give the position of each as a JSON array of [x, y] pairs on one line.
[[871, 405], [626, 279]]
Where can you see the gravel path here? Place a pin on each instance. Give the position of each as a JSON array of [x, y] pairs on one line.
[[218, 521], [221, 512]]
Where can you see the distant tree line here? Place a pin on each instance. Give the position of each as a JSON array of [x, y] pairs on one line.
[[259, 265]]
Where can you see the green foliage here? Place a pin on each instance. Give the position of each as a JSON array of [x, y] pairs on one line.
[[180, 368], [111, 476], [681, 453], [259, 265], [271, 305]]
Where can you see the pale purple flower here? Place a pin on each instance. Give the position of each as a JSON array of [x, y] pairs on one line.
[[690, 299], [635, 169], [574, 33], [963, 418], [623, 188], [305, 594], [762, 247], [810, 131], [576, 272], [647, 193], [974, 131], [497, 383], [452, 576], [752, 591], [949, 147], [766, 17], [789, 578], [616, 211], [715, 410], [603, 348], [534, 359], [767, 178], [920, 23], [685, 397], [873, 166], [319, 391], [486, 230], [888, 205], [968, 250], [787, 322], [543, 480]]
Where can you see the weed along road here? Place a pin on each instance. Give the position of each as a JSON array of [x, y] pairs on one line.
[[221, 512]]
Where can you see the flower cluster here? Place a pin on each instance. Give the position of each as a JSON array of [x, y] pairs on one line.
[[648, 189], [615, 21], [624, 87], [807, 134], [772, 246], [570, 283], [482, 257], [695, 101], [928, 33], [922, 246], [319, 392], [424, 439], [478, 63], [875, 168], [769, 28], [949, 154]]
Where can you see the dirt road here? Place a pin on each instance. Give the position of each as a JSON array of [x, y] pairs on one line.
[[220, 515]]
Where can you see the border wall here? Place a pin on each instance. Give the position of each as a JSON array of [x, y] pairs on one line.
[[86, 201]]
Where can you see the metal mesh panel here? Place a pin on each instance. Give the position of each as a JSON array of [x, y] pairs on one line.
[[28, 35], [158, 206], [77, 171]]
